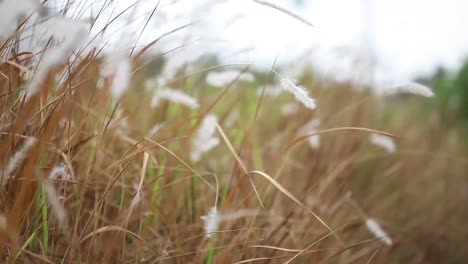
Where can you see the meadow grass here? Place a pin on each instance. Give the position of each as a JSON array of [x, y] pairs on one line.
[[130, 193]]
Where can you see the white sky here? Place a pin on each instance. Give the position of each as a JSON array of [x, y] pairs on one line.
[[409, 37]]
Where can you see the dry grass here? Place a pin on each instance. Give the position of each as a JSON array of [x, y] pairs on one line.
[[130, 197]]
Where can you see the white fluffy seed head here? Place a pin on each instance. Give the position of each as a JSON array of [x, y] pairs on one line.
[[12, 10], [204, 139], [301, 94], [72, 34], [16, 160], [116, 68], [60, 172], [411, 88], [382, 141], [214, 218], [174, 96], [54, 201], [210, 222], [377, 231]]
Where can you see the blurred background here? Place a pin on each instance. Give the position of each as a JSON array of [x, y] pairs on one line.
[[365, 42], [406, 38]]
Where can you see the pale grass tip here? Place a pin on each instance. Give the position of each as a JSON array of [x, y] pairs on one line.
[[60, 172], [210, 222], [299, 92], [116, 69], [214, 218], [11, 10], [377, 231], [204, 139], [174, 96], [382, 141], [410, 88], [69, 36], [54, 201], [17, 158]]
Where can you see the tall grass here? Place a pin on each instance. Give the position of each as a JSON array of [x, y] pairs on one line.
[[92, 171]]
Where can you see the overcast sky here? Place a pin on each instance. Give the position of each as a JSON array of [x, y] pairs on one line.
[[407, 37]]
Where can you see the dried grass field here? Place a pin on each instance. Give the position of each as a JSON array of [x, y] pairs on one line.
[[113, 159]]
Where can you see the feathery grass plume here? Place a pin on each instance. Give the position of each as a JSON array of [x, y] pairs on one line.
[[204, 139], [301, 94], [377, 231], [309, 128], [213, 219], [289, 109], [60, 172], [55, 203], [383, 141], [12, 10], [72, 35], [411, 88], [174, 96], [210, 222], [117, 68], [16, 160], [180, 60], [220, 79]]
